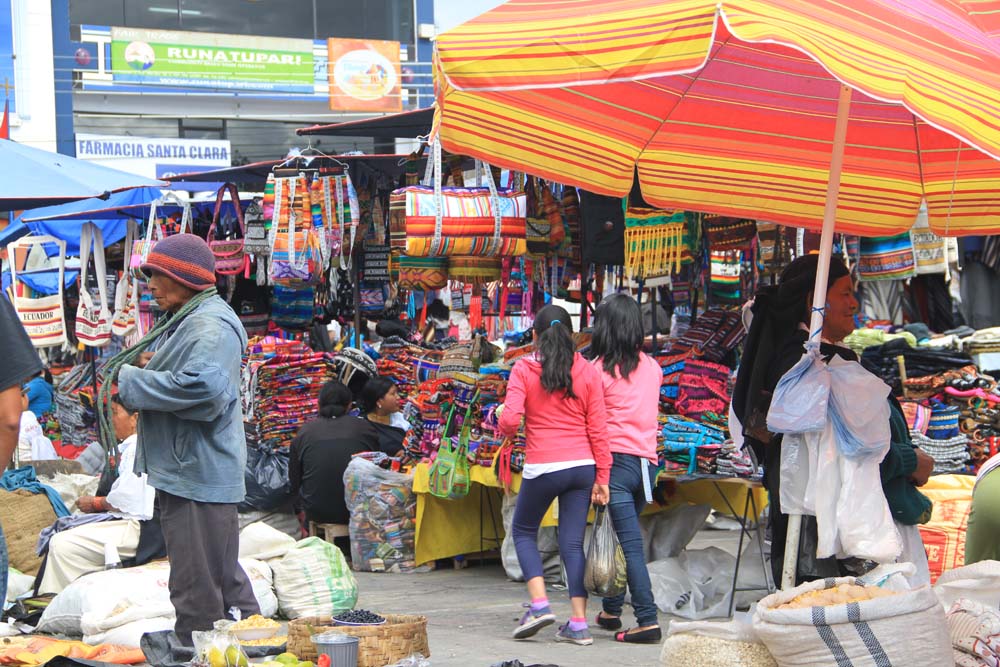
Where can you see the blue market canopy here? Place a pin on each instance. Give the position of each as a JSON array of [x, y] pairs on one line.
[[116, 206], [43, 281], [30, 178], [66, 230]]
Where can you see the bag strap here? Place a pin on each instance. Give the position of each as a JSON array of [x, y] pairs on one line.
[[234, 195], [86, 238], [99, 265], [29, 242], [494, 245], [131, 232]]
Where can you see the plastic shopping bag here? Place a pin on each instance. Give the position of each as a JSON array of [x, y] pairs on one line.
[[802, 396], [859, 410], [605, 574]]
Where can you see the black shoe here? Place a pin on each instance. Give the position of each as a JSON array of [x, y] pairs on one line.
[[609, 623], [650, 636]]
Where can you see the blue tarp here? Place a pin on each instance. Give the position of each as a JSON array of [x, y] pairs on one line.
[[43, 281], [117, 206], [67, 230]]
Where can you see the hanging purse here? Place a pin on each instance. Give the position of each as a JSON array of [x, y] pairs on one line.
[[154, 232], [124, 320], [255, 240], [475, 270], [603, 229], [296, 255], [725, 233], [423, 273], [334, 204], [656, 242], [230, 256], [93, 321], [443, 221], [42, 317]]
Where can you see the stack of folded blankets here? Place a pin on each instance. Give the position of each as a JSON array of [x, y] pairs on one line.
[[689, 446], [735, 462]]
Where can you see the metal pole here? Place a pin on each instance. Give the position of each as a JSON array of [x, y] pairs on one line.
[[656, 326], [357, 301], [790, 565]]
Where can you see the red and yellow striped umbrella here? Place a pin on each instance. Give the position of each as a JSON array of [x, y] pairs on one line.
[[729, 106]]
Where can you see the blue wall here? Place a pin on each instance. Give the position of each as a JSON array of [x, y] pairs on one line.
[[63, 52]]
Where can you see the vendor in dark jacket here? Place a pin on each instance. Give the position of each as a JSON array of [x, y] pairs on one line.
[[321, 451], [774, 344], [380, 403]]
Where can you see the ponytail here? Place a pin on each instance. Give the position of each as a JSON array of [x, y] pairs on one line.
[[556, 350]]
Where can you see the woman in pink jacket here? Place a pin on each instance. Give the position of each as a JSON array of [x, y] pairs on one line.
[[631, 383], [558, 394]]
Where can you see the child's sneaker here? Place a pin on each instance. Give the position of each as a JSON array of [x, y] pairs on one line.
[[533, 621], [578, 637]]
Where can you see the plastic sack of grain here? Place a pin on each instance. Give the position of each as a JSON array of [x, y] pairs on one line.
[[906, 628], [714, 644]]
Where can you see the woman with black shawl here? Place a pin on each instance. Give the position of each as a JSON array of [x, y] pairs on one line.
[[775, 343]]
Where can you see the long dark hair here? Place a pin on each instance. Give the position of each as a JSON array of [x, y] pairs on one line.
[[334, 399], [373, 391], [556, 350], [618, 336]]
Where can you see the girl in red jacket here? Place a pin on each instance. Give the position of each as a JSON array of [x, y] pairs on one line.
[[559, 395]]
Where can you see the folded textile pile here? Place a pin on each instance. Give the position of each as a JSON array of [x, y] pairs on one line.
[[689, 446], [919, 361], [975, 634], [950, 455], [735, 462], [712, 336], [861, 339], [983, 341], [703, 387], [280, 387]]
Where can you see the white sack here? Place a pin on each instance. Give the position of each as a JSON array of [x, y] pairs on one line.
[[264, 542]]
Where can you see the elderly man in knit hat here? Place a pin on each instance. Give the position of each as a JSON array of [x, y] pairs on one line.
[[191, 439]]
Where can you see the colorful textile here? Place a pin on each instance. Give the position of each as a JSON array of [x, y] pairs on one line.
[[423, 273], [656, 242], [475, 270], [722, 233], [468, 224], [710, 106], [887, 258], [726, 268], [930, 251]]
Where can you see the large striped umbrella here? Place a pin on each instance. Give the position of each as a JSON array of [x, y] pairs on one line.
[[730, 107], [812, 113]]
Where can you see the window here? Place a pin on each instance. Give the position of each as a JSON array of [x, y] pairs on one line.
[[372, 19], [160, 14], [263, 18], [97, 12]]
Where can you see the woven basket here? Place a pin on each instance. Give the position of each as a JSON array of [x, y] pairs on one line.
[[378, 646]]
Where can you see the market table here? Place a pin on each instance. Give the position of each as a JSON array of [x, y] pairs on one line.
[[448, 528]]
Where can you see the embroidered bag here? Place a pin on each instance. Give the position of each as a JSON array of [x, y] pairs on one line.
[[475, 270], [335, 203], [154, 232], [887, 257], [256, 240], [724, 233], [460, 221], [42, 317], [296, 255], [124, 320], [230, 256], [930, 251], [293, 308], [93, 321], [423, 273], [656, 242]]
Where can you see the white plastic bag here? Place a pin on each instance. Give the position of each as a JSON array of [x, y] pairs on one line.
[[695, 585], [859, 410], [314, 579], [800, 400], [979, 582], [264, 542], [673, 530]]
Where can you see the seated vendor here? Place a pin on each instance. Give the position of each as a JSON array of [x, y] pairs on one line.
[[320, 453], [79, 547], [380, 403]]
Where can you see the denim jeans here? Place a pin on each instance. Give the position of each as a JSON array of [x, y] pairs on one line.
[[627, 501]]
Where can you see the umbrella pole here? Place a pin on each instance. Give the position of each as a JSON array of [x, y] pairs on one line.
[[790, 565]]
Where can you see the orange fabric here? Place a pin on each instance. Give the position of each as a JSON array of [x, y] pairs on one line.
[[31, 651]]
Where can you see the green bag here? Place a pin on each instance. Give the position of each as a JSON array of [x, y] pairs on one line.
[[449, 475]]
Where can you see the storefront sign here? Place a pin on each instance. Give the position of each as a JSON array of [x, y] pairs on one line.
[[211, 60], [364, 75], [155, 158]]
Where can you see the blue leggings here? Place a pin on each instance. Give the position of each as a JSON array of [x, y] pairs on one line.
[[573, 488]]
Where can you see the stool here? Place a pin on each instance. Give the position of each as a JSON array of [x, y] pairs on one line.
[[329, 531]]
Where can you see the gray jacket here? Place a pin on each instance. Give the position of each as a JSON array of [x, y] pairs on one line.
[[191, 438]]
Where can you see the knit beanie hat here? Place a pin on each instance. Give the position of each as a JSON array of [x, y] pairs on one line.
[[184, 257]]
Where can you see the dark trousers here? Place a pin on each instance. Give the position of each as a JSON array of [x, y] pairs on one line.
[[206, 580], [573, 488], [628, 499]]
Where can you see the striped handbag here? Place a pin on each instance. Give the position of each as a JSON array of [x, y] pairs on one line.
[[42, 317], [475, 270], [442, 221], [230, 254], [296, 253], [656, 242], [93, 321], [422, 273]]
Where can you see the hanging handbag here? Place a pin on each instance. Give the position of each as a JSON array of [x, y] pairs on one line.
[[124, 320], [887, 258], [423, 273], [334, 204], [154, 232], [293, 308], [603, 229], [230, 255], [656, 242], [449, 474], [296, 255], [255, 240], [42, 317], [477, 221], [724, 233], [475, 270], [250, 301], [93, 321]]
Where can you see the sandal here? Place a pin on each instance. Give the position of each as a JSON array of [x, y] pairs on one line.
[[608, 622], [648, 636]]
